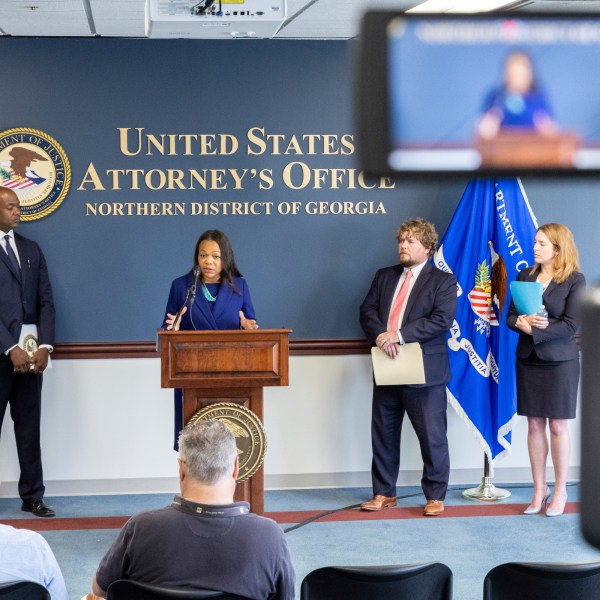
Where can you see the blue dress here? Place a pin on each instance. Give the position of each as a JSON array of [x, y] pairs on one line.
[[205, 315], [224, 313], [518, 110]]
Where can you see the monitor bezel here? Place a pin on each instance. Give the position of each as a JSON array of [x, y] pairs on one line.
[[374, 143]]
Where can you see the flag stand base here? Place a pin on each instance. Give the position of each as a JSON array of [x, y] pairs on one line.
[[486, 491]]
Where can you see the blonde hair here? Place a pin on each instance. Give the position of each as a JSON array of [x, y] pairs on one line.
[[566, 261], [422, 230]]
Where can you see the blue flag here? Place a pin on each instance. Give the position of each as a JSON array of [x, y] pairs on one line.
[[489, 240]]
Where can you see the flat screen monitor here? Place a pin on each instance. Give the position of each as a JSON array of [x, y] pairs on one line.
[[491, 94], [590, 418]]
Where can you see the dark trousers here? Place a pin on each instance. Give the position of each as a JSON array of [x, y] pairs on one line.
[[23, 392], [178, 401], [426, 409]]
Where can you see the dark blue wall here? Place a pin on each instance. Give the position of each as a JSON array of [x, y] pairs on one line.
[[112, 274]]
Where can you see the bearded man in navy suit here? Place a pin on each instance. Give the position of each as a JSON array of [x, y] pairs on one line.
[[411, 302], [25, 299]]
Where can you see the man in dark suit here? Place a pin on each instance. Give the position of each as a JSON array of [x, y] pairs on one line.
[[26, 306], [411, 302]]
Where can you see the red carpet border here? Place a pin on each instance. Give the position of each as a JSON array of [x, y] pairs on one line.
[[289, 517]]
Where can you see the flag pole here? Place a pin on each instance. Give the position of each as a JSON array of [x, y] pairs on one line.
[[486, 491]]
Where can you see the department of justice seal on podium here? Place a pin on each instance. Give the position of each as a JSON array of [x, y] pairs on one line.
[[30, 344], [248, 432], [36, 168]]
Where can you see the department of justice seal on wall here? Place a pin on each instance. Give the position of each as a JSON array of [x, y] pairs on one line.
[[248, 432], [36, 168]]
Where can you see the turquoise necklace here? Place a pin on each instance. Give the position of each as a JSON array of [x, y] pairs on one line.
[[207, 294]]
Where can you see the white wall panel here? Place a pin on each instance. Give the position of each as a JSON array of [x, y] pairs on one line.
[[107, 426]]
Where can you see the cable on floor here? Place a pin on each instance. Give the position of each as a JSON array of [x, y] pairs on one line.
[[450, 489]]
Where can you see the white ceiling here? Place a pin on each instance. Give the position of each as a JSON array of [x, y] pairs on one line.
[[307, 19]]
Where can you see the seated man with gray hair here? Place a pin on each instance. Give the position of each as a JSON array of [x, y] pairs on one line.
[[204, 539]]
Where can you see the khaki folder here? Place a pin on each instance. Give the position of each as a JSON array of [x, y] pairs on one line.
[[405, 369]]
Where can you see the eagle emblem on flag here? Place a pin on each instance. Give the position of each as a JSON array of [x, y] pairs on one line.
[[488, 295]]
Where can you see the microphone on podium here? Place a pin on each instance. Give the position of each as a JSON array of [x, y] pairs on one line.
[[196, 273], [191, 292]]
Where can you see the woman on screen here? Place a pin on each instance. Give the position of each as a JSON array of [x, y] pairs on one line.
[[221, 301], [518, 103], [548, 361]]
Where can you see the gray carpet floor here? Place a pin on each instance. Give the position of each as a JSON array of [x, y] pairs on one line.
[[470, 545]]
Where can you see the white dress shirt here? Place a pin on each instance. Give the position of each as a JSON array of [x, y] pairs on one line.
[[12, 243], [416, 270]]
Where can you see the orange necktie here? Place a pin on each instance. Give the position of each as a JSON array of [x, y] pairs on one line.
[[394, 318]]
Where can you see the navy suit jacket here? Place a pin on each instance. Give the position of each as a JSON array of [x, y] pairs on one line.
[[24, 297], [225, 314], [563, 303], [427, 318]]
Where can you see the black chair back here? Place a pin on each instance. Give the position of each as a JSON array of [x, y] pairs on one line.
[[543, 581], [429, 581], [125, 589], [23, 590]]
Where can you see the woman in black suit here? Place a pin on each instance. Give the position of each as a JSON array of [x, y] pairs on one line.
[[548, 361]]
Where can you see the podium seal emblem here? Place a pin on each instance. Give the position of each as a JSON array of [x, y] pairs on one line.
[[36, 168], [30, 344], [248, 432]]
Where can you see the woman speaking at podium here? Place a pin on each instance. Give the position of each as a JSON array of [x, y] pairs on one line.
[[213, 295], [518, 103]]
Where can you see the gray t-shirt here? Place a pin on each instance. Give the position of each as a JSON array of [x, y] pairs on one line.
[[223, 548]]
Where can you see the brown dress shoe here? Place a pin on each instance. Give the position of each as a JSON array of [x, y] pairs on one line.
[[433, 508], [378, 502]]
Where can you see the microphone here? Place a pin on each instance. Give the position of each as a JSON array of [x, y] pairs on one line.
[[196, 272], [190, 293]]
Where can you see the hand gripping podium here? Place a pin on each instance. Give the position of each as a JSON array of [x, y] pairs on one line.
[[226, 366]]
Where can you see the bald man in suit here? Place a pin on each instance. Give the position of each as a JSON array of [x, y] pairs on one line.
[[25, 299], [411, 302]]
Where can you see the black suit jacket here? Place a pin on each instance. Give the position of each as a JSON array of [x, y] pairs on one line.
[[24, 297], [427, 318], [563, 303]]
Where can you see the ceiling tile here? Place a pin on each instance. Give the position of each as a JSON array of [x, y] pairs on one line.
[[320, 19]]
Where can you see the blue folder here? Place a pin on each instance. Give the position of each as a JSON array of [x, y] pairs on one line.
[[527, 296]]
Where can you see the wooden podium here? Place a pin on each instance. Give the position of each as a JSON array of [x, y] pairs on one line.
[[226, 366], [514, 148]]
